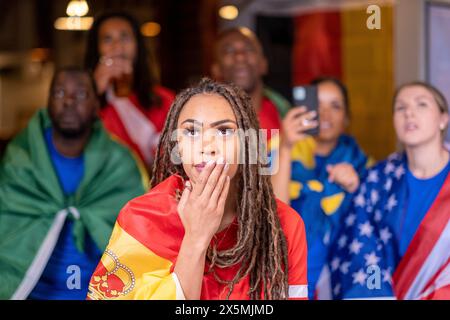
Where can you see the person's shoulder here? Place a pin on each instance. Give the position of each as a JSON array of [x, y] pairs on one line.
[[153, 220], [158, 204], [107, 111], [117, 150], [290, 220], [389, 164], [166, 94], [19, 148], [275, 95], [116, 144], [278, 100], [164, 195]]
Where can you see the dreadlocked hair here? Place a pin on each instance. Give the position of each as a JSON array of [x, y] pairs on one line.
[[261, 247]]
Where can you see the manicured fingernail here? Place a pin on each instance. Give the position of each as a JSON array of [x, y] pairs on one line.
[[210, 163], [227, 166], [221, 160]]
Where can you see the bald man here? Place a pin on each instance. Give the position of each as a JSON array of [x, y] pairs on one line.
[[239, 58]]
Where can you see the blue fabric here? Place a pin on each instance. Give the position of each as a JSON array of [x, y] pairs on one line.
[[321, 162], [381, 222], [317, 247], [317, 259], [53, 284], [424, 192], [70, 171], [58, 277], [320, 227]]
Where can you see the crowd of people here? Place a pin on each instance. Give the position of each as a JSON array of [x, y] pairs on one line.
[[121, 189]]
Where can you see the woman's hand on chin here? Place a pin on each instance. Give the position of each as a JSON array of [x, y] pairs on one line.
[[202, 204]]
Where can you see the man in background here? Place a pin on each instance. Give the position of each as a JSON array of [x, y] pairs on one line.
[[239, 58], [63, 182]]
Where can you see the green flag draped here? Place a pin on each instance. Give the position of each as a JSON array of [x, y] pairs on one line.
[[278, 100], [33, 206]]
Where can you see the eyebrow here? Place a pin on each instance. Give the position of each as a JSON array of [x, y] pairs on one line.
[[419, 97], [77, 86], [214, 124], [422, 96]]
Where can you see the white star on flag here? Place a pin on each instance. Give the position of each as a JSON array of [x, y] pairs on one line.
[[359, 277], [374, 197], [326, 238], [399, 172], [385, 235], [350, 220], [360, 201], [373, 176], [378, 216], [392, 202], [371, 259], [365, 229], [388, 185], [394, 156], [335, 264], [342, 241], [363, 188], [355, 246], [344, 267], [387, 275], [390, 167], [337, 289]]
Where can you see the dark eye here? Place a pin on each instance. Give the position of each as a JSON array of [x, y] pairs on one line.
[[125, 37], [106, 39], [191, 132], [250, 49], [228, 50], [225, 132], [81, 95], [336, 106], [399, 107], [423, 104]]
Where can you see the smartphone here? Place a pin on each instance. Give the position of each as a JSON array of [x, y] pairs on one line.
[[307, 96]]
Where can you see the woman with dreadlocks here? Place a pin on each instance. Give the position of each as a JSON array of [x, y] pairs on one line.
[[210, 227]]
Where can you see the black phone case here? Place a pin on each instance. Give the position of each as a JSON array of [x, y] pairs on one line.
[[307, 96]]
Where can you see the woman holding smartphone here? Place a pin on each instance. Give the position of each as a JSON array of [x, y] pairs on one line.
[[318, 174]]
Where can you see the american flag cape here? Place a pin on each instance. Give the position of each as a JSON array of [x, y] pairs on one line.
[[364, 261]]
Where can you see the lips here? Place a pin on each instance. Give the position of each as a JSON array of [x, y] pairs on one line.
[[199, 167], [68, 117], [241, 71], [411, 127], [324, 125]]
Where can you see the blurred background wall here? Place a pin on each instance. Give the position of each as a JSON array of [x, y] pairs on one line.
[[301, 38]]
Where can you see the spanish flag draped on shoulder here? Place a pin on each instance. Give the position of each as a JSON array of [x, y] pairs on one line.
[[140, 258]]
